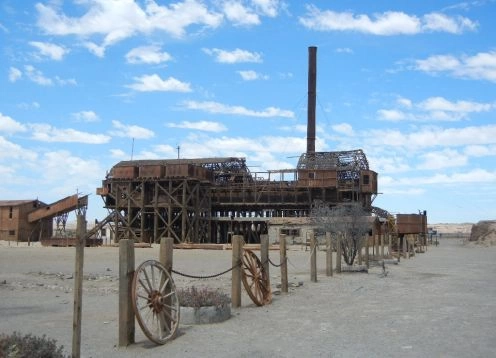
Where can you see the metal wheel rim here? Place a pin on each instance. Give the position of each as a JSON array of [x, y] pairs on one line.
[[255, 279], [155, 301]]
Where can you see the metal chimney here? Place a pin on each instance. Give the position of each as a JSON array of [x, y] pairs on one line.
[[312, 88]]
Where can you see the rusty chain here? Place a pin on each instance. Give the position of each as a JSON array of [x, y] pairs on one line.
[[203, 277]]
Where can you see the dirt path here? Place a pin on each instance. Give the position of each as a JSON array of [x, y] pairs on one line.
[[438, 304]]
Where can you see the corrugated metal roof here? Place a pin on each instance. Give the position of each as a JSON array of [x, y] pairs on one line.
[[16, 202]]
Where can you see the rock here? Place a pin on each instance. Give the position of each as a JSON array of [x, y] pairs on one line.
[[205, 315], [484, 232]]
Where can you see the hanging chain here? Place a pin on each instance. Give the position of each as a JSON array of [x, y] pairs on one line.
[[202, 277]]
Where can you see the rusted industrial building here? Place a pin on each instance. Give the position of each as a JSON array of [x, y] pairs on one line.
[[206, 200], [14, 222], [33, 220]]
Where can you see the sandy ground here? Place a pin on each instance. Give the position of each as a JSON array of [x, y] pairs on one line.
[[437, 304]]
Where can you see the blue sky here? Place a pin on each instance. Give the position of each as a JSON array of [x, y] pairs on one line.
[[412, 83]]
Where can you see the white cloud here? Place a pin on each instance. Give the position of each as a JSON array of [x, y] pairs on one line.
[[86, 116], [429, 137], [55, 52], [391, 114], [434, 108], [252, 75], [383, 24], [344, 50], [343, 128], [47, 133], [481, 66], [37, 76], [268, 7], [235, 56], [98, 51], [216, 107], [10, 126], [151, 83], [201, 125], [443, 23], [118, 20], [130, 131], [147, 55], [446, 158], [14, 74], [239, 14], [11, 151]]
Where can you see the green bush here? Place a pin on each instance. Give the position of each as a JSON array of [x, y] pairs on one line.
[[17, 346], [193, 297]]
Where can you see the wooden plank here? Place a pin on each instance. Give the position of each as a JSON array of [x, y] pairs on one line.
[[126, 272]]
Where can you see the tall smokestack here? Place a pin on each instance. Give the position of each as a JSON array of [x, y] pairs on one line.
[[312, 88]]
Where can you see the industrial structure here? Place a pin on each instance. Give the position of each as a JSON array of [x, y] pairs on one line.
[[33, 220], [206, 200]]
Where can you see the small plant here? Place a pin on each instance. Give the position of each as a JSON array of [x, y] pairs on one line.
[[194, 297], [18, 346]]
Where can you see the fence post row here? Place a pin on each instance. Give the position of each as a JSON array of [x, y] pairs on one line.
[[126, 272], [284, 263], [264, 255], [237, 251], [328, 254]]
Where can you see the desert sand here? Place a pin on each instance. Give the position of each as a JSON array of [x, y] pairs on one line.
[[436, 304]]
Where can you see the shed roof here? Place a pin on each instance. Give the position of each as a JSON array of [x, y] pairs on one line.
[[16, 202]]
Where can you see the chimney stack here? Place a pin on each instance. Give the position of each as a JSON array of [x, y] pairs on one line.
[[312, 89]]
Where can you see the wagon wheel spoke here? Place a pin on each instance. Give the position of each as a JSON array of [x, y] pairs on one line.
[[255, 279], [155, 301]]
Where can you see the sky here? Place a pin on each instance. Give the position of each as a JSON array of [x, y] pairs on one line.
[[85, 84]]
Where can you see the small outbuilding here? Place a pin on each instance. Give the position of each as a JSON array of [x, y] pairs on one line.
[[14, 223]]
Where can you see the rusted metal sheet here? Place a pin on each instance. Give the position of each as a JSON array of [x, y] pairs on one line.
[[152, 171], [411, 223], [102, 191], [125, 172], [62, 206]]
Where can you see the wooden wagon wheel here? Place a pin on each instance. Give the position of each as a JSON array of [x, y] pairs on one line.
[[255, 279], [155, 301]]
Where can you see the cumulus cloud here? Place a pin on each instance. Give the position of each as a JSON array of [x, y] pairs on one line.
[[86, 116], [481, 66], [433, 109], [235, 56], [200, 125], [147, 55], [118, 20], [47, 133], [252, 75], [383, 24], [14, 74], [52, 51], [130, 131], [239, 14], [152, 83], [216, 107], [9, 125]]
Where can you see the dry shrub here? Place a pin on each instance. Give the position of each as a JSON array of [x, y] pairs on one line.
[[17, 346], [201, 297]]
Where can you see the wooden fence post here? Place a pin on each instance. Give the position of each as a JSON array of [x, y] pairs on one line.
[[237, 252], [328, 254], [367, 252], [389, 246], [166, 258], [313, 257], [338, 255], [284, 263], [381, 236], [78, 285], [166, 253], [264, 255], [126, 272]]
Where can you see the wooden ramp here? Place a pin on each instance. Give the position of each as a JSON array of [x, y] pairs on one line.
[[60, 207]]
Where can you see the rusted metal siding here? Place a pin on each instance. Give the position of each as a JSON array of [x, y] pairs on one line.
[[411, 223], [125, 172], [151, 171]]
